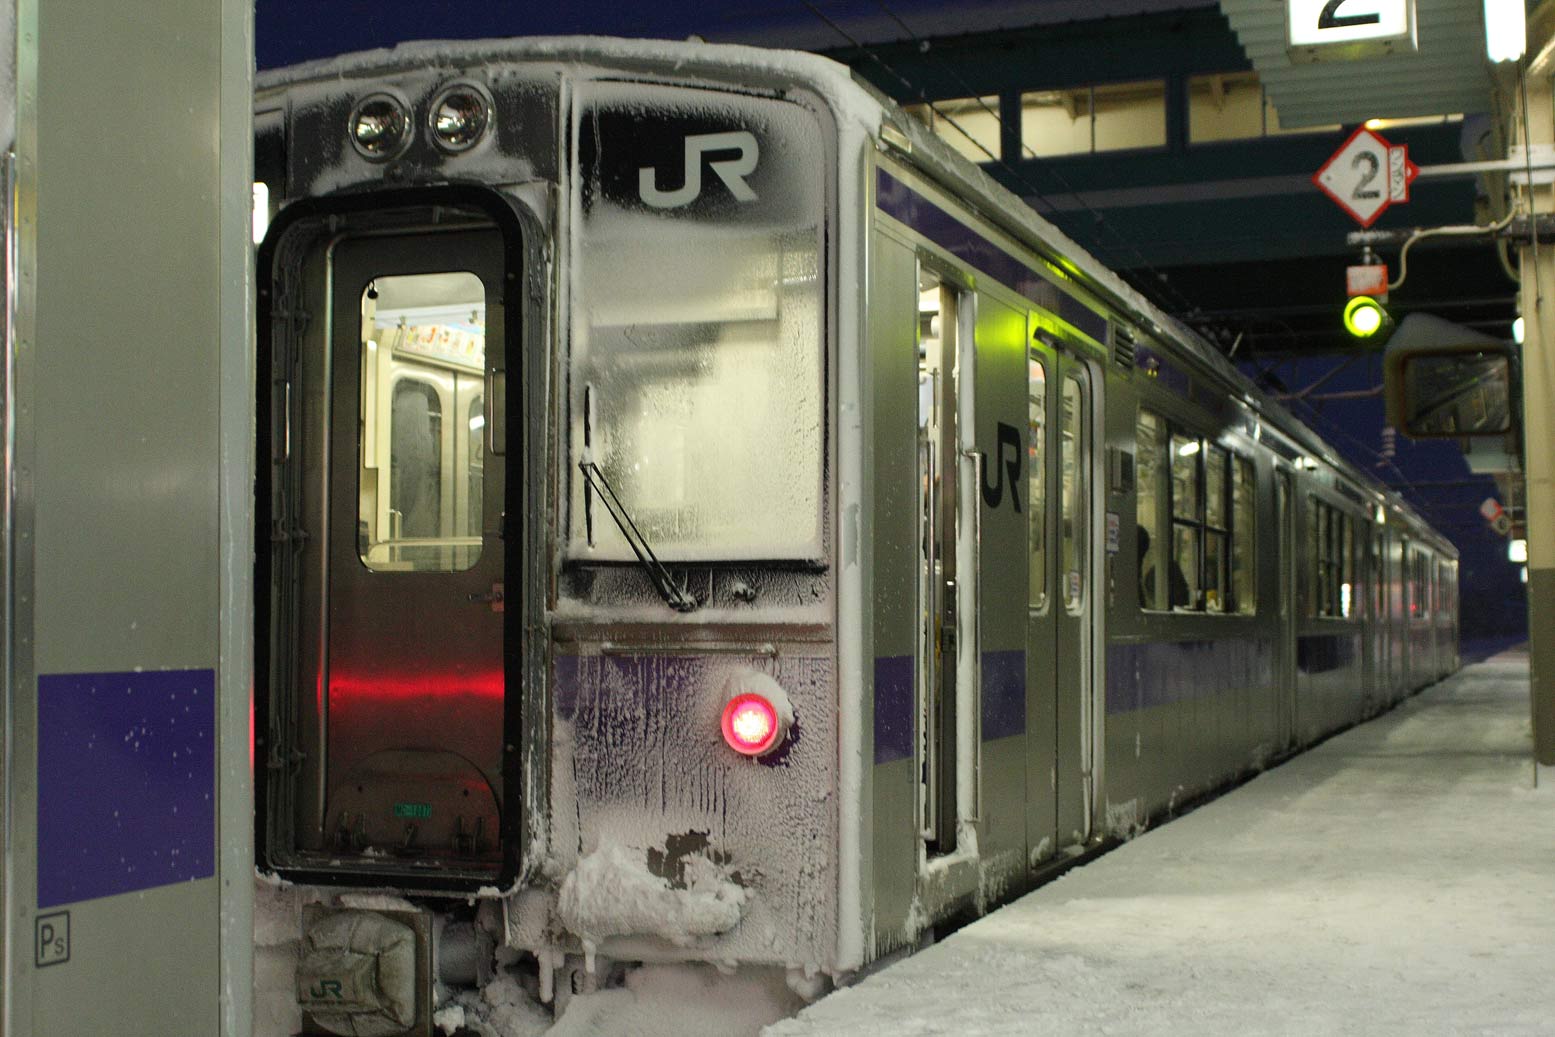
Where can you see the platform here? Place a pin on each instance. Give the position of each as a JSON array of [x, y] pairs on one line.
[[1397, 879]]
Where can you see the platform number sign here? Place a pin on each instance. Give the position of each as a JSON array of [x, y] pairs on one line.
[[1366, 175], [1364, 27]]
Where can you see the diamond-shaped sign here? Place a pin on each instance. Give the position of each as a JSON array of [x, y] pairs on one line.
[[1366, 175]]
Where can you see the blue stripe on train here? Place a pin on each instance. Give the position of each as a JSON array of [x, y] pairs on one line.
[[1161, 673], [1004, 694], [1003, 707]]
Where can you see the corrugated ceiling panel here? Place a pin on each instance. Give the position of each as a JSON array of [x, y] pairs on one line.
[[1447, 74]]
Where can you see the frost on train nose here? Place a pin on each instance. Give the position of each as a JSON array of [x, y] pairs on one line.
[[684, 894]]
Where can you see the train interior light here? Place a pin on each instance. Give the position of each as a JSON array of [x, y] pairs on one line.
[[1506, 29]]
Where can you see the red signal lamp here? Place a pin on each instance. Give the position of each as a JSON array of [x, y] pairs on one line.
[[751, 725]]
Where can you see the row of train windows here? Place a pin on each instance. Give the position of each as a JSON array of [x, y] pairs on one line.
[[1334, 553], [1195, 515]]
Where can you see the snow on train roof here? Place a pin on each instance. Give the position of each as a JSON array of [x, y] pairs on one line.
[[854, 104]]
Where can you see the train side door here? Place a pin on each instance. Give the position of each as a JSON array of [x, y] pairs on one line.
[[1061, 452], [407, 769], [1042, 597], [1072, 446], [937, 661], [1380, 627], [1285, 523]]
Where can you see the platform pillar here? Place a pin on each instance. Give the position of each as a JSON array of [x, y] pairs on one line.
[[1538, 362]]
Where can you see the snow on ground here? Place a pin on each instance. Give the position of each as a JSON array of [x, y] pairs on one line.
[[1397, 880]]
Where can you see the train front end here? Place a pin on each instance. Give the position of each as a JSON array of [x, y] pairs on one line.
[[546, 627]]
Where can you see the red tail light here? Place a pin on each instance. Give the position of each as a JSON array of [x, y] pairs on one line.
[[751, 724]]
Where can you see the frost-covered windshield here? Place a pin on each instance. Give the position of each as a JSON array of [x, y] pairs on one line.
[[696, 378]]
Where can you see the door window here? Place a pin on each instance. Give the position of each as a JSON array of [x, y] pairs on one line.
[[1074, 492], [1036, 479], [423, 342]]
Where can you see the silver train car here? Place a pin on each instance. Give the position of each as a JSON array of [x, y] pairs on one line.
[[700, 517]]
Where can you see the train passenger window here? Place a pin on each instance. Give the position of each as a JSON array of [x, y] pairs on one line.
[[1216, 531], [1347, 568], [1036, 479], [1331, 539], [1073, 504], [1185, 585], [419, 485], [1244, 591], [1150, 500], [1314, 567]]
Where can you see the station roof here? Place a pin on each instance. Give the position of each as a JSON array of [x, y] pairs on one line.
[[1448, 72]]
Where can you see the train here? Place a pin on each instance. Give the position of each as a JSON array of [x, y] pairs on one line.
[[700, 517]]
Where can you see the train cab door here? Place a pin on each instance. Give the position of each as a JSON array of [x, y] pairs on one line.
[[1061, 423], [414, 666], [384, 695], [1285, 525]]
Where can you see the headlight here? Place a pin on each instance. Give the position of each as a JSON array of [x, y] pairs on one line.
[[379, 127], [458, 117]]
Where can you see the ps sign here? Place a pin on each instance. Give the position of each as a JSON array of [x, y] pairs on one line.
[[1320, 29], [1366, 175]]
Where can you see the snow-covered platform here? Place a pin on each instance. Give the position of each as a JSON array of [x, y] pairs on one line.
[[1398, 879]]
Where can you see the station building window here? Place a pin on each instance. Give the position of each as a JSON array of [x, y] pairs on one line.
[[968, 124], [1234, 106], [1086, 119]]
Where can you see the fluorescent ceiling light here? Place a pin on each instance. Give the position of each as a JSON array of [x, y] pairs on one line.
[[1506, 29]]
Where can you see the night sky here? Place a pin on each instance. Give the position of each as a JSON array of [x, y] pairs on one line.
[[1433, 475]]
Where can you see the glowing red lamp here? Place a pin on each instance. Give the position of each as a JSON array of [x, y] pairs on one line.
[[751, 724]]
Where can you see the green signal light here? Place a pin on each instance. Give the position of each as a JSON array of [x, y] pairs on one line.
[[1364, 316]]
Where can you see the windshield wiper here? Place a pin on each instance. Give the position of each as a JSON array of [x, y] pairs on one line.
[[676, 596]]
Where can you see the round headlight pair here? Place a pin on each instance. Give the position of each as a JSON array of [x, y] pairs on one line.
[[457, 118]]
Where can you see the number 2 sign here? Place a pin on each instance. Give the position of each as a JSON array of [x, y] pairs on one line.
[[1366, 27], [1366, 175]]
